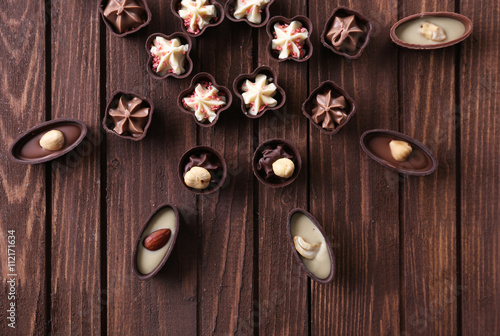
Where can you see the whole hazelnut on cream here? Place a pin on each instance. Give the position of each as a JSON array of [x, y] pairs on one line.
[[52, 140], [283, 167], [400, 150], [197, 178]]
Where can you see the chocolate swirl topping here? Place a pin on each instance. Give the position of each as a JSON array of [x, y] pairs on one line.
[[269, 156], [345, 33], [207, 161], [329, 111]]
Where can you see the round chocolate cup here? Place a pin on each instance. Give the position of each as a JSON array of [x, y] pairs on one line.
[[297, 255], [287, 147], [174, 7], [200, 150], [102, 5], [280, 95], [308, 105], [108, 123], [204, 77], [173, 238], [343, 12], [415, 143], [306, 22], [463, 19], [15, 149], [188, 64], [231, 5]]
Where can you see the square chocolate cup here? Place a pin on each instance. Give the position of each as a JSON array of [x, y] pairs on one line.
[[197, 79], [308, 47], [321, 89], [104, 3], [221, 176], [231, 5], [287, 147], [108, 123], [188, 64], [280, 95], [174, 7], [360, 18]]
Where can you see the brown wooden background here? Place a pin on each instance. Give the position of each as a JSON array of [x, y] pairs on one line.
[[415, 256]]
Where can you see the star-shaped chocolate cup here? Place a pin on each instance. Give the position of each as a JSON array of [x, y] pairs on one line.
[[128, 21], [188, 64], [200, 78], [270, 73], [112, 124], [175, 5], [231, 5], [335, 91], [362, 41], [308, 47]]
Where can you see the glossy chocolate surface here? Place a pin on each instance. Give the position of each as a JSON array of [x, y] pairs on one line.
[[420, 162], [354, 43], [27, 149], [208, 158], [266, 154], [308, 47], [463, 19], [124, 17]]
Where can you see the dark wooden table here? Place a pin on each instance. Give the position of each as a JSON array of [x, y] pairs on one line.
[[415, 255]]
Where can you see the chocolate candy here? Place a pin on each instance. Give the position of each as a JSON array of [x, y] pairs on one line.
[[124, 17], [27, 148], [197, 15], [289, 38], [254, 12]]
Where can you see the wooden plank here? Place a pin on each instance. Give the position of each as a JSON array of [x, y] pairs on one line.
[[226, 218], [282, 284], [354, 197], [23, 188], [479, 153], [141, 176], [429, 203], [76, 284]]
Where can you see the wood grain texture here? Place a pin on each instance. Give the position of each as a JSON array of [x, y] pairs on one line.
[[283, 286], [22, 187], [354, 197], [226, 218], [76, 285], [427, 105], [140, 176], [480, 176]]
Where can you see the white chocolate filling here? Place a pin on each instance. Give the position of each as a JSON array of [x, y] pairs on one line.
[[303, 227], [289, 39], [169, 55], [259, 94], [147, 260], [204, 102], [410, 31], [251, 9], [196, 14]]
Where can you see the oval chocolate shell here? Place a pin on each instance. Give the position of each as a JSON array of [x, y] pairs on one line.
[[398, 28], [421, 161], [26, 149], [321, 268], [147, 263], [218, 174]]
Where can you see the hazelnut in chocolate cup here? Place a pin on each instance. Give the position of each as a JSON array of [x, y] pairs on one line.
[[329, 108], [310, 246], [169, 55], [48, 141], [399, 152], [276, 163], [128, 115], [347, 32], [259, 92], [202, 170], [197, 15], [426, 31], [289, 39], [124, 17], [204, 99], [254, 12], [156, 241]]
